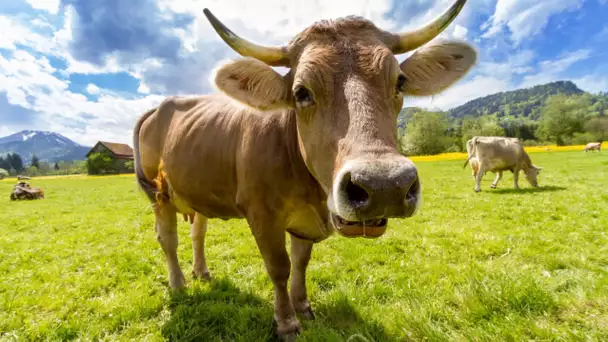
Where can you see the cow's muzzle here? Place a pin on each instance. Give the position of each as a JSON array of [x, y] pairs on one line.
[[367, 193]]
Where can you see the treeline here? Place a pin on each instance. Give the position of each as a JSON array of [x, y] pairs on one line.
[[563, 120], [12, 164]]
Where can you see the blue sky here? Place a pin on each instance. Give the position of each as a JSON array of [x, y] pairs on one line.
[[88, 68]]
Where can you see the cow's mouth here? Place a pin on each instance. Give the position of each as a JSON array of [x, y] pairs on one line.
[[368, 228]]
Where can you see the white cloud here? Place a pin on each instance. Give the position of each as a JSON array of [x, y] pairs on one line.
[[460, 93], [51, 6], [5, 130], [592, 83], [92, 89], [552, 70], [41, 22], [14, 33], [275, 20], [143, 88], [460, 32], [29, 82], [526, 18]]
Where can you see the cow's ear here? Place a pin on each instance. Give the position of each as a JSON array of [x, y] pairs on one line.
[[435, 67], [254, 83]]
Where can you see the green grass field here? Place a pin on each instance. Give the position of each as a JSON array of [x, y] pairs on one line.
[[532, 264]]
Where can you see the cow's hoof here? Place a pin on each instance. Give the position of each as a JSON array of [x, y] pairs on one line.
[[493, 186], [177, 283], [288, 330], [307, 314], [477, 190], [204, 275]]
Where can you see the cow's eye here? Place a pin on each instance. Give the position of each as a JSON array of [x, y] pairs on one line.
[[303, 97], [401, 83]]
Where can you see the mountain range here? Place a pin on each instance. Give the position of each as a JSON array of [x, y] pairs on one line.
[[48, 146]]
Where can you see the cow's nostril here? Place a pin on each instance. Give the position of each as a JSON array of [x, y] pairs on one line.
[[357, 196], [414, 190]]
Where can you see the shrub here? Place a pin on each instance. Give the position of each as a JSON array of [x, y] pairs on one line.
[[99, 163]]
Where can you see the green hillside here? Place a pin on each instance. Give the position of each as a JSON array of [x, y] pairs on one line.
[[517, 103], [520, 103]]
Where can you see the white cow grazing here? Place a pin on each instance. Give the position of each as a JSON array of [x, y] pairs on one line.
[[497, 154], [593, 146]]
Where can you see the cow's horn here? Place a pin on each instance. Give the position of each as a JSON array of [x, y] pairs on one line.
[[411, 40], [274, 56]]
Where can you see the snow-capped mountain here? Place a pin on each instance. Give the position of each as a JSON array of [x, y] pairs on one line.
[[47, 146]]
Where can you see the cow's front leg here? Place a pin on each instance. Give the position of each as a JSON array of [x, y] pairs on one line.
[[271, 243], [480, 174], [496, 180], [516, 179], [197, 232], [166, 234], [300, 256]]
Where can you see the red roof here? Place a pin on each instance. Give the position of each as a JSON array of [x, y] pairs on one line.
[[119, 150]]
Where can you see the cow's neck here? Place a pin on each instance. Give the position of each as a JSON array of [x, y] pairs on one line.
[[296, 160]]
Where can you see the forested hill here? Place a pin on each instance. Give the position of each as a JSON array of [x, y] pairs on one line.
[[521, 103], [517, 103]]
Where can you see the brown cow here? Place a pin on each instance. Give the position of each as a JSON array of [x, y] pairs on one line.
[[306, 153], [594, 146], [498, 154]]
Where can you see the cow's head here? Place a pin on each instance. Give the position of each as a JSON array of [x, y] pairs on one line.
[[346, 88], [531, 173]]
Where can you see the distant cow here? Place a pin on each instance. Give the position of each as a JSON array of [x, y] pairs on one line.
[[593, 146], [20, 177], [497, 154]]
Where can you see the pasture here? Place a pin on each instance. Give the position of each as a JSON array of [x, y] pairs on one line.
[[502, 264]]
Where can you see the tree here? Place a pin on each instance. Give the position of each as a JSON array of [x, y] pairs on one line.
[[521, 128], [32, 171], [562, 116], [35, 161], [130, 165], [3, 173], [56, 167], [44, 168], [482, 126], [598, 127], [15, 162], [5, 164], [99, 163], [426, 133]]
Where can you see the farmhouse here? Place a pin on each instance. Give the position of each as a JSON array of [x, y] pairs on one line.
[[108, 157]]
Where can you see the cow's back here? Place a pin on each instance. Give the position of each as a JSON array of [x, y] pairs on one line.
[[498, 153], [218, 156]]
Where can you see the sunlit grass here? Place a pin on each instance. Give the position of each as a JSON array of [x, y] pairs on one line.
[[500, 265]]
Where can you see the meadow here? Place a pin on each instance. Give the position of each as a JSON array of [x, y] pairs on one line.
[[502, 264]]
